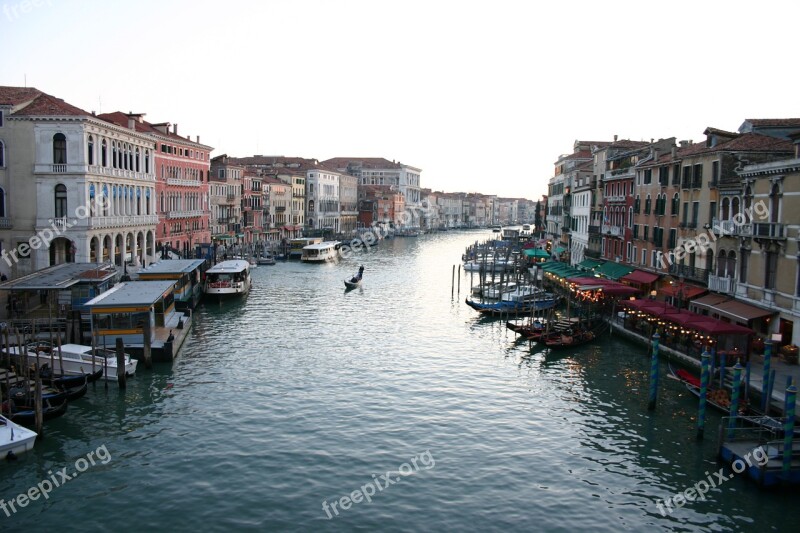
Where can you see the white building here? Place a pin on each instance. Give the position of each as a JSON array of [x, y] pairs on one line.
[[75, 188], [322, 199]]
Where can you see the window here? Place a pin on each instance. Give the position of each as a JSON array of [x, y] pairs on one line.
[[628, 252], [695, 213], [697, 177], [648, 176], [147, 161], [675, 205], [630, 217], [663, 176], [687, 177], [745, 254], [136, 160], [647, 205], [712, 212], [714, 174], [676, 174], [644, 257], [61, 201], [59, 149], [1, 118], [771, 270], [2, 203], [646, 232], [2, 154], [654, 258], [636, 205], [90, 154], [633, 255], [673, 238], [104, 153]]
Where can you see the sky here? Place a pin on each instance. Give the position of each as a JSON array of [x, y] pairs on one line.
[[482, 96]]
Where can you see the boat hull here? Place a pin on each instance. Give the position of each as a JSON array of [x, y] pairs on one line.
[[14, 438]]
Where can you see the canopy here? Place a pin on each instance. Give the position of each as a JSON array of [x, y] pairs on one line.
[[589, 264], [613, 271], [687, 319], [560, 250], [733, 309], [531, 252], [640, 276]]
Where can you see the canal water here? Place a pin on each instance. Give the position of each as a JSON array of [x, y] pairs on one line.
[[390, 407]]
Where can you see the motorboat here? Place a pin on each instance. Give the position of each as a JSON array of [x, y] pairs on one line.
[[77, 359], [321, 253], [266, 259], [14, 439], [228, 278]]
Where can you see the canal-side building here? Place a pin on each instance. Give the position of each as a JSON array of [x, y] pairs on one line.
[[380, 171], [182, 169], [322, 200], [380, 205], [450, 209], [348, 204], [225, 200], [277, 208], [252, 210], [75, 188]]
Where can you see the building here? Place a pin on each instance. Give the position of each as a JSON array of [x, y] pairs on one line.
[[380, 205], [225, 200], [74, 187], [379, 171], [348, 204], [182, 169], [450, 209]]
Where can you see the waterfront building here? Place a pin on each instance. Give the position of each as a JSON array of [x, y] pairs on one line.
[[582, 193], [225, 200], [431, 210], [84, 186], [182, 169], [381, 205], [252, 210], [450, 209], [277, 208], [186, 274], [348, 204], [380, 171], [322, 200]]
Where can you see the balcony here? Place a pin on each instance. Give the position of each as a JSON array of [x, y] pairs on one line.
[[5, 223], [731, 227], [114, 172], [769, 230], [185, 214], [616, 198], [614, 231], [184, 183], [725, 285], [594, 230], [619, 173], [689, 272]]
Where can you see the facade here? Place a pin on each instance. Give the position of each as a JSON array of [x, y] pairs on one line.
[[252, 210], [322, 200], [225, 200], [75, 188], [450, 209], [348, 204], [182, 167], [379, 171], [277, 208], [380, 205]]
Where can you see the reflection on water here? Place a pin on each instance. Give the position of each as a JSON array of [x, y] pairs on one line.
[[300, 392]]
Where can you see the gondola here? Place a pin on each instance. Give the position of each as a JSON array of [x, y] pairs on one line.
[[717, 398], [350, 285], [26, 415], [577, 336], [511, 308]]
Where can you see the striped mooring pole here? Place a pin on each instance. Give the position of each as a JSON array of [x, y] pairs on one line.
[[705, 376], [735, 388], [765, 381], [651, 405], [788, 429]]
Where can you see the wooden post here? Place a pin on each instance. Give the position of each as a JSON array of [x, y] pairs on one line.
[[146, 350], [452, 282], [459, 280], [8, 357], [121, 364], [60, 357], [37, 400]]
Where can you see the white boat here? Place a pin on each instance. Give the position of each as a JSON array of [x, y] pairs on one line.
[[14, 439], [321, 253], [526, 294], [228, 278], [77, 359], [498, 291], [266, 259]]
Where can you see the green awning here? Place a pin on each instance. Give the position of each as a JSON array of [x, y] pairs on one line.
[[613, 271], [535, 252], [222, 237], [589, 264], [240, 235], [560, 250]]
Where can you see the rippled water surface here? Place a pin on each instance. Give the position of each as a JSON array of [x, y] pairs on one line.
[[301, 394]]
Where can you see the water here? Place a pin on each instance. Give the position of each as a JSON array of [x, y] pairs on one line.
[[301, 394]]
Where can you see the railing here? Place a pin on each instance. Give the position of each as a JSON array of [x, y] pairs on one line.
[[731, 227], [769, 230], [184, 183], [689, 272], [616, 198], [118, 172], [5, 223], [60, 169], [122, 221], [594, 230], [614, 231], [185, 214], [721, 284], [60, 223]]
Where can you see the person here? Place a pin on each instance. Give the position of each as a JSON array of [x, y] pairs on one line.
[[360, 272], [171, 337]]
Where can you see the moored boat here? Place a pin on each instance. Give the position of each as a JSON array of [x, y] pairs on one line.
[[14, 439], [228, 278], [321, 253], [500, 308], [77, 360]]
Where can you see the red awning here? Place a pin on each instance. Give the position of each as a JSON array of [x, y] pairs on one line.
[[640, 276], [733, 309], [689, 291]]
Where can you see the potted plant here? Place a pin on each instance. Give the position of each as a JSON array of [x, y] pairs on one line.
[[757, 345], [789, 354]]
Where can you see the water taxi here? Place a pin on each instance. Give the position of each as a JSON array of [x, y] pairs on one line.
[[296, 245], [321, 253], [228, 278]]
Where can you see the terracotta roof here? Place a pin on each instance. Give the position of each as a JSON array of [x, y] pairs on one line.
[[627, 143], [281, 163], [363, 162], [45, 104], [583, 154], [17, 95], [142, 126], [774, 122]]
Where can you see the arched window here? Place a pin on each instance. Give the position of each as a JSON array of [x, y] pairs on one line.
[[136, 160], [147, 161], [104, 153], [731, 266], [637, 205], [2, 203], [726, 209], [59, 149], [2, 154], [61, 201], [748, 200], [735, 207], [722, 258], [676, 202], [114, 154], [90, 152], [130, 157], [647, 203], [774, 203]]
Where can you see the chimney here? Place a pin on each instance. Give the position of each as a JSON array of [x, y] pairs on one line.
[[674, 152], [174, 129], [198, 139], [655, 154], [131, 122], [615, 138]]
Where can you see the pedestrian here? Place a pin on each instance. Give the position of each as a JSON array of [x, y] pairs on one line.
[[171, 337]]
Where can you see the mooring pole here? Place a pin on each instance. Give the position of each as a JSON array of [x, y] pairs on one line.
[[737, 384], [654, 374], [121, 364], [705, 376], [765, 379], [788, 430], [453, 282]]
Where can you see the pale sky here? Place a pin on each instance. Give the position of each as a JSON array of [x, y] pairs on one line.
[[482, 96]]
